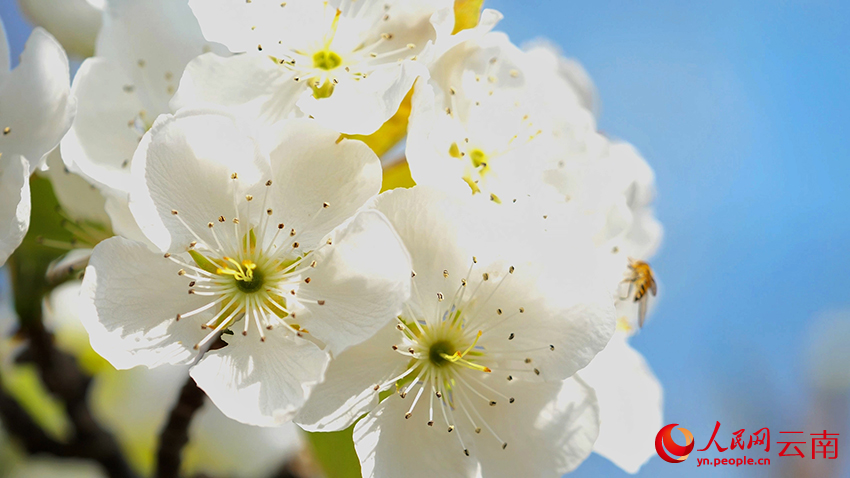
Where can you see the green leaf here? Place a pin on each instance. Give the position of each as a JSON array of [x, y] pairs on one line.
[[334, 451]]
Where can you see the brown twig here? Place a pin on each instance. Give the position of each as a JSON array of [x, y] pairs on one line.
[[175, 434]]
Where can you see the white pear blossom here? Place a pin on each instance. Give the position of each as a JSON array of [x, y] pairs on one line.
[[479, 355], [35, 111], [74, 23], [486, 123], [141, 52], [346, 63], [260, 233], [547, 55]]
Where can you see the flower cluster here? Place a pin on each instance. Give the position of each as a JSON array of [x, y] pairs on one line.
[[473, 324]]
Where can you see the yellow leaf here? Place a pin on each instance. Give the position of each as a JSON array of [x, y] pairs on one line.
[[391, 132], [397, 175], [467, 13]]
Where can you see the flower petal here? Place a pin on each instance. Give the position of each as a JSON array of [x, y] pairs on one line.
[[74, 23], [14, 204], [359, 284], [389, 445], [35, 100], [630, 404], [347, 392], [548, 434], [111, 120], [419, 216], [261, 383], [361, 107], [252, 86], [185, 163], [79, 199], [152, 41], [310, 167], [129, 301]]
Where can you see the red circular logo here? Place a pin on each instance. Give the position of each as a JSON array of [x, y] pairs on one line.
[[664, 443]]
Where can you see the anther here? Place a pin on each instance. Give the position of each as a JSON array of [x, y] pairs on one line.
[[445, 273], [412, 274], [295, 245], [511, 270], [291, 232], [439, 394], [181, 272], [451, 428], [210, 225], [395, 347], [521, 310], [234, 176], [407, 415], [511, 400], [498, 311], [235, 220], [486, 276], [249, 197], [269, 211], [537, 371], [320, 302], [466, 452], [528, 360], [221, 219], [431, 424], [307, 280], [492, 403], [326, 205], [504, 445], [552, 348], [7, 130], [478, 430], [439, 296], [174, 212], [192, 284], [193, 244], [280, 226], [313, 264], [177, 318], [511, 337], [510, 377], [167, 255], [269, 182]]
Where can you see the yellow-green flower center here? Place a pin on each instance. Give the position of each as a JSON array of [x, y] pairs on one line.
[[326, 60]]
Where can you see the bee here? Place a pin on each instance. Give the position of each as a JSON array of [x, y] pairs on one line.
[[639, 277]]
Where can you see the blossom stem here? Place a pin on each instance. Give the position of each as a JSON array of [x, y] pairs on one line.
[[175, 434]]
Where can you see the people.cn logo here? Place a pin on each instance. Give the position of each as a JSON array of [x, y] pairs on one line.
[[664, 444]]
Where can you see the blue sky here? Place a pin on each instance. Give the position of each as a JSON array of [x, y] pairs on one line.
[[741, 109]]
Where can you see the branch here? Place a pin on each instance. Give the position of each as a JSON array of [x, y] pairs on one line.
[[175, 434]]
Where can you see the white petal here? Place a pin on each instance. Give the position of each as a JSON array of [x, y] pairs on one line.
[[185, 163], [74, 23], [79, 199], [549, 55], [261, 383], [152, 41], [361, 107], [630, 404], [548, 434], [251, 85], [241, 26], [347, 392], [35, 100], [310, 167], [362, 279], [14, 204], [388, 445], [111, 119], [423, 219], [129, 301]]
